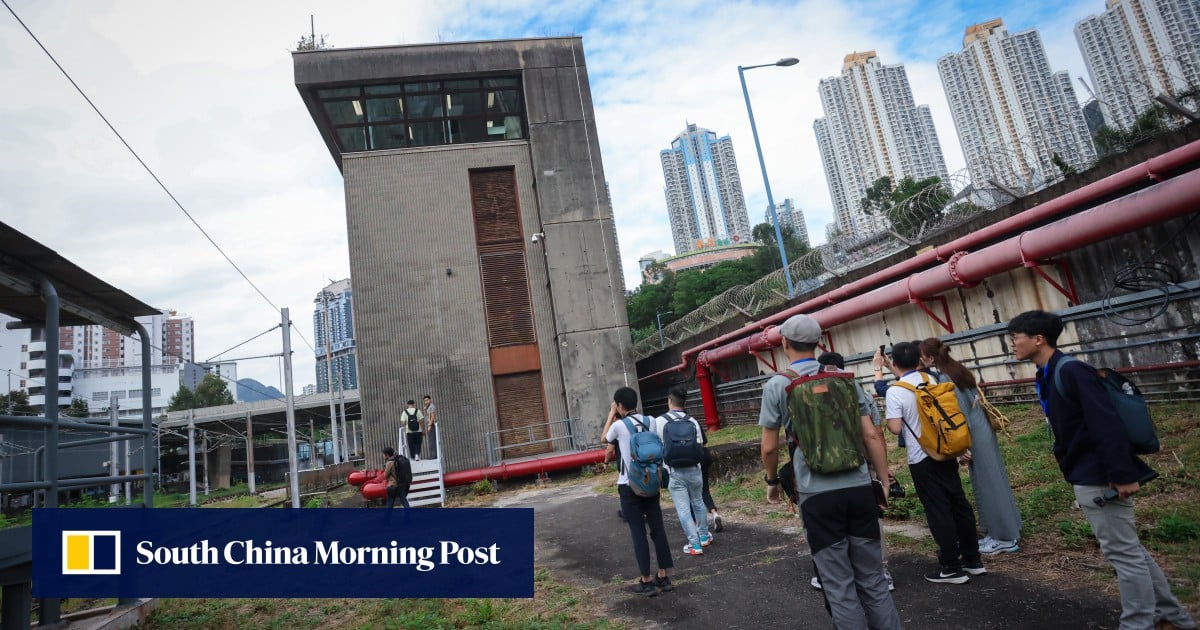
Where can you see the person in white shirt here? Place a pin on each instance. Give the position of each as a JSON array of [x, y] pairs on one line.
[[640, 512], [683, 461]]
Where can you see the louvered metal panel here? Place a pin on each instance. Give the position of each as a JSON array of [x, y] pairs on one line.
[[521, 414], [506, 302], [494, 205]]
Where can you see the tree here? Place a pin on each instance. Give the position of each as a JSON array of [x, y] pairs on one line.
[[211, 392], [312, 42], [910, 205], [16, 403], [78, 408]]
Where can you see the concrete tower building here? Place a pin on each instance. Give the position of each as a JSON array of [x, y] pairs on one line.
[[1137, 49], [1013, 114], [704, 191], [872, 129], [334, 313], [790, 216], [481, 241]]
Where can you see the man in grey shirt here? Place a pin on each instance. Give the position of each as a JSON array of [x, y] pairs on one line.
[[840, 511]]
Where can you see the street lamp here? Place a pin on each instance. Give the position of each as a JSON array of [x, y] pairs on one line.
[[658, 316], [787, 61]]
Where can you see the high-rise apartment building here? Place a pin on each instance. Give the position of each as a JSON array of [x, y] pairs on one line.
[[1137, 49], [99, 365], [334, 316], [704, 191], [1012, 113], [790, 216], [872, 129]]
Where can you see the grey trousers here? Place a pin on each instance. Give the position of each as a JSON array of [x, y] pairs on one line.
[[1146, 596]]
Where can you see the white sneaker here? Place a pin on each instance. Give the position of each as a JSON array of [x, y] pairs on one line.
[[891, 583], [985, 542], [995, 547], [815, 583]]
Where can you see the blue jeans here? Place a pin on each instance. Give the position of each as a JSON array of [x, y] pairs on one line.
[[1146, 597], [687, 491], [395, 492]]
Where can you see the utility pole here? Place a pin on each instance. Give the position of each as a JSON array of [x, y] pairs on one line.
[[114, 490], [293, 469], [333, 420]]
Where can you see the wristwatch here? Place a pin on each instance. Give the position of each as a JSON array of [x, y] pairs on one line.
[[771, 482]]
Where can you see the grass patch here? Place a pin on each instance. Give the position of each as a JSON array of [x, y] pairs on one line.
[[555, 605], [735, 433]]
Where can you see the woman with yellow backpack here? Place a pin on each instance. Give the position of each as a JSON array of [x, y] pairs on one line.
[[999, 518]]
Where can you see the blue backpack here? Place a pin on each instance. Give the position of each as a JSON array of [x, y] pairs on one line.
[[681, 447], [645, 459], [1127, 401]]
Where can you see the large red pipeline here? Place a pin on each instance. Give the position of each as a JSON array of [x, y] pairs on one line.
[[1155, 169], [1162, 202], [525, 468]]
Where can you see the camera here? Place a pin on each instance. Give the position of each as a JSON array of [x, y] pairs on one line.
[[896, 491], [1110, 494]]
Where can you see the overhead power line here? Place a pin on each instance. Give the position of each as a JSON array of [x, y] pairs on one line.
[[146, 166]]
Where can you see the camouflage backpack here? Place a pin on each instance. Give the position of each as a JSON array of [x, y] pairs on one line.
[[824, 421]]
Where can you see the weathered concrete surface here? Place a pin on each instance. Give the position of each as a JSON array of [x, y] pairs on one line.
[[757, 577]]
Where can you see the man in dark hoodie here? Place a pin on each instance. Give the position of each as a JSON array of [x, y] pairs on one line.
[[1095, 456]]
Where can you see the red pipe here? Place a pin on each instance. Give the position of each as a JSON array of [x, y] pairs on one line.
[[1151, 170], [708, 395], [1173, 198], [525, 468]]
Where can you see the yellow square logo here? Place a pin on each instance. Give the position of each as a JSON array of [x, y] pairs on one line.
[[91, 553]]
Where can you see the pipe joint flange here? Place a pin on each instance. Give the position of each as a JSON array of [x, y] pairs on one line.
[[952, 266]]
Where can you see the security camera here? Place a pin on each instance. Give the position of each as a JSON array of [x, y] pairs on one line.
[[537, 236]]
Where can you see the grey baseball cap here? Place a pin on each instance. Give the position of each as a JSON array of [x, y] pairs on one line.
[[801, 329]]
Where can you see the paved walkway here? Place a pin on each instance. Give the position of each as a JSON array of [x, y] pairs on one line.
[[757, 577]]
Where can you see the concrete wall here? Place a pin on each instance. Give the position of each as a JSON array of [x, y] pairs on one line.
[[421, 330]]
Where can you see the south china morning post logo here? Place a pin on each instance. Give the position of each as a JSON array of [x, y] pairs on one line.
[[460, 552], [91, 552]]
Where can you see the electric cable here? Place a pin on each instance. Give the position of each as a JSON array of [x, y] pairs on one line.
[[145, 166], [1145, 275]]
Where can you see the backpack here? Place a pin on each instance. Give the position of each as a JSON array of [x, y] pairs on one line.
[[681, 449], [645, 459], [402, 470], [1127, 401], [944, 433], [824, 421], [414, 425]]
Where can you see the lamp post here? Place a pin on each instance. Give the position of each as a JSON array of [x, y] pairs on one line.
[[787, 61], [658, 316]]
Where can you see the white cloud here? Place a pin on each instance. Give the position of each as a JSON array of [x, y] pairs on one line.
[[205, 93]]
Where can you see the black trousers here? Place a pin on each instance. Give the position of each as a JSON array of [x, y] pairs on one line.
[[640, 513], [414, 443], [951, 519]]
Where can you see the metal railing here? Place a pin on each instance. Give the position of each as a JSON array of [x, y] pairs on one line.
[[559, 434]]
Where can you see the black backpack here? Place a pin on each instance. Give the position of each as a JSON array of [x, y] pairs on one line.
[[414, 425], [402, 469], [681, 448]]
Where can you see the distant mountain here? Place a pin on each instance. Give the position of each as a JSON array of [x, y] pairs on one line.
[[250, 390]]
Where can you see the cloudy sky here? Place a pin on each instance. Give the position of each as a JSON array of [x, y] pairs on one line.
[[204, 92]]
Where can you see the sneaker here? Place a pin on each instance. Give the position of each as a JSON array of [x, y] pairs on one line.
[[944, 576], [974, 568], [717, 526], [891, 583], [693, 550], [996, 547], [645, 589], [706, 540], [815, 583], [985, 541], [664, 584]]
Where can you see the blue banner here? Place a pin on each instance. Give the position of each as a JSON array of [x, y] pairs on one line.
[[192, 552]]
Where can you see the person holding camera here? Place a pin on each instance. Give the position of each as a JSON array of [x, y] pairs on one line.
[[1096, 457]]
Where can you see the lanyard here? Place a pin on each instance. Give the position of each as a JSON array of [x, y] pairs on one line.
[[1039, 376]]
